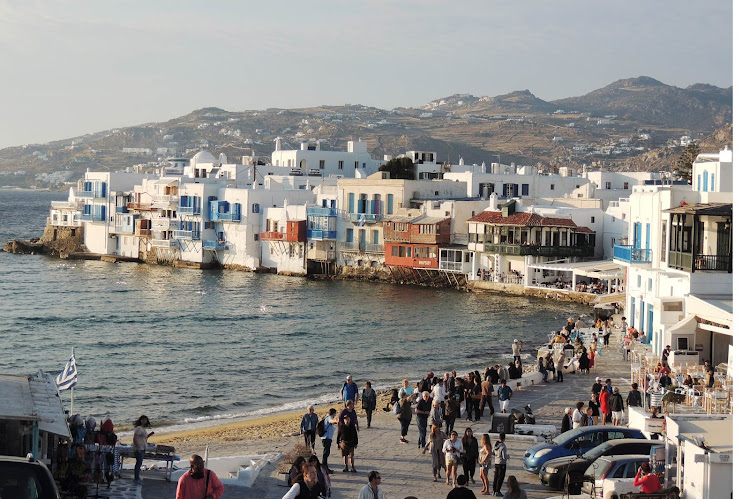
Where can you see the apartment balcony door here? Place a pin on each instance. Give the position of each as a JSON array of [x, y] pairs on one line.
[[362, 239]]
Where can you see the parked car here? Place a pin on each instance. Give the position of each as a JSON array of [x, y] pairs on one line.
[[22, 477], [555, 471], [613, 475], [574, 442]]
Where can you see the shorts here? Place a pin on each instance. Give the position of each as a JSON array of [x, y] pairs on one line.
[[346, 450], [617, 415]]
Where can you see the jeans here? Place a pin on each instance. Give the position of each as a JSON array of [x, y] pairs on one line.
[[486, 399], [559, 375], [139, 455], [326, 451], [404, 426], [449, 421], [310, 438], [422, 427], [499, 478], [369, 416]]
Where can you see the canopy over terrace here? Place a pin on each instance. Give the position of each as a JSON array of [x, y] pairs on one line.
[[566, 275], [707, 327]]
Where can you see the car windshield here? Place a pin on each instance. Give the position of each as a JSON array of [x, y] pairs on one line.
[[21, 480], [598, 468], [565, 437], [597, 451]]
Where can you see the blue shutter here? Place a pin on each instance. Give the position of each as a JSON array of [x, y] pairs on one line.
[[705, 181], [390, 204], [104, 189], [712, 182], [375, 237], [351, 203], [648, 236]]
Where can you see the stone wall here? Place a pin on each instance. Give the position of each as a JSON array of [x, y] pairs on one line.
[[519, 290]]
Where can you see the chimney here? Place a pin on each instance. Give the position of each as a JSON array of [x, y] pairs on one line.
[[278, 143], [493, 201]]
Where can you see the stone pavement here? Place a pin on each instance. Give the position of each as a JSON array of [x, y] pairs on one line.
[[405, 470]]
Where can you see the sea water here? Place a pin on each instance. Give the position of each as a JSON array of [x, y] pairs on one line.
[[193, 347]]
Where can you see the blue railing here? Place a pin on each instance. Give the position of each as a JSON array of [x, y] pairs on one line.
[[627, 253], [186, 234], [321, 234], [321, 211], [215, 216], [365, 217], [121, 209], [190, 210], [92, 217], [215, 244]]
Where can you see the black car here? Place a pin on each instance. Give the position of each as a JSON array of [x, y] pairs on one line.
[[26, 477], [554, 471]]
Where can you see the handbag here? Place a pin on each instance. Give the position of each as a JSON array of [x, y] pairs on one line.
[[461, 458]]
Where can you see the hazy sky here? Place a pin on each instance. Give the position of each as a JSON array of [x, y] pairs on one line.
[[68, 68]]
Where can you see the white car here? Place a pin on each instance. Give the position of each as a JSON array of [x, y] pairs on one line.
[[613, 475]]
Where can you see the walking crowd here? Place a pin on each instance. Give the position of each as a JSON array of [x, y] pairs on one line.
[[437, 402]]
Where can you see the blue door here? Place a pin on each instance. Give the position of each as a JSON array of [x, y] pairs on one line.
[[351, 203], [637, 236], [632, 312], [390, 203], [650, 323], [705, 181], [642, 318]]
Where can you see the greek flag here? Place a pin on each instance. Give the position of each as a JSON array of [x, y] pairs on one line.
[[362, 220], [69, 375]]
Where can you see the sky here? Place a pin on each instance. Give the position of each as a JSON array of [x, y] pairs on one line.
[[75, 67]]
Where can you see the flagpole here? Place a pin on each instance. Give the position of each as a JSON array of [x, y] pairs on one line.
[[72, 354]]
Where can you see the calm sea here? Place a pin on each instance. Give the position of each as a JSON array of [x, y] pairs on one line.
[[187, 346]]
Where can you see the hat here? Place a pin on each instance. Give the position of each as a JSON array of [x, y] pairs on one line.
[[598, 378], [462, 480]]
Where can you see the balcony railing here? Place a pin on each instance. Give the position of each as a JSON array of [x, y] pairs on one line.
[[224, 217], [92, 217], [273, 236], [453, 266], [166, 199], [121, 209], [59, 222], [140, 206], [189, 210], [362, 248], [64, 205], [628, 253], [192, 235], [321, 234], [123, 229], [691, 263], [164, 243], [321, 211], [89, 194], [365, 217], [321, 255], [523, 250], [215, 244]]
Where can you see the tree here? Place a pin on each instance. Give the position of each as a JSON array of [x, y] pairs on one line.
[[402, 168], [684, 167]]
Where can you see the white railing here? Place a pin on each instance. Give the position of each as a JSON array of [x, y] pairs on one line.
[[163, 243]]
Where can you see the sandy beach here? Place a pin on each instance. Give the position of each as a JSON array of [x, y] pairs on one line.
[[405, 470]]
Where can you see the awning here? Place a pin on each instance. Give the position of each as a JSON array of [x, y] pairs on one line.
[[33, 398], [603, 269]]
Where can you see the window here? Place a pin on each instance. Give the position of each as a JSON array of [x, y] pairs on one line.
[[255, 237], [389, 202], [524, 189], [615, 435], [552, 187], [394, 250], [639, 282], [349, 235], [650, 284], [672, 306], [356, 165], [322, 164], [607, 185], [364, 165], [626, 185], [375, 237], [593, 220], [256, 208], [712, 182], [341, 165]]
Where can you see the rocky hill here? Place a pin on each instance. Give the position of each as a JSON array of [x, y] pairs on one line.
[[631, 124]]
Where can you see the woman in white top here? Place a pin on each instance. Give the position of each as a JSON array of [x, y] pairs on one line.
[[140, 441], [452, 449]]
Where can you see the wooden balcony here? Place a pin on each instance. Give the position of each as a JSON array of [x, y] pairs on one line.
[[690, 262], [273, 236]]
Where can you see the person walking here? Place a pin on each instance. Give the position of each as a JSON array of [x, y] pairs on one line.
[[594, 406], [435, 443], [485, 456], [634, 396], [404, 416], [617, 406], [140, 442], [349, 390], [349, 442], [406, 389], [452, 409], [424, 406], [199, 482], [308, 425], [514, 489], [370, 491], [471, 453], [369, 401], [453, 450], [560, 365], [517, 346], [329, 424], [487, 392], [504, 393], [501, 463], [542, 368], [604, 406]]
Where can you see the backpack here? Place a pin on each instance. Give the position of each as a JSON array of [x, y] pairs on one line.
[[397, 408], [320, 428]]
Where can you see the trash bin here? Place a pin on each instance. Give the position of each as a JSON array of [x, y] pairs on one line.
[[502, 423]]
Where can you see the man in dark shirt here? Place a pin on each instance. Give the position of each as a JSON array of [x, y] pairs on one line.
[[460, 491], [665, 355], [597, 388]]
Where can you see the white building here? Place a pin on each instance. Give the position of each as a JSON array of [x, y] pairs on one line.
[[679, 262]]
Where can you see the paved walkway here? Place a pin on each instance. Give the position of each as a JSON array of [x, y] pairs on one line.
[[405, 470]]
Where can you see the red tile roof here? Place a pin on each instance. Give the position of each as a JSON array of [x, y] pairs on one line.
[[522, 219]]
